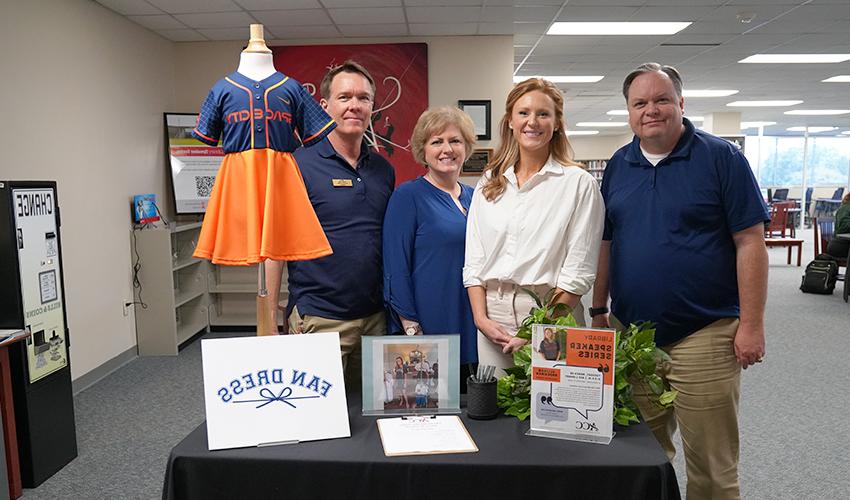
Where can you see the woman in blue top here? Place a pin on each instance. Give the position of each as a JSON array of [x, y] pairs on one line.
[[424, 235]]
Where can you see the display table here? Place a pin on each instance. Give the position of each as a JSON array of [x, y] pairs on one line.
[[7, 408], [508, 465]]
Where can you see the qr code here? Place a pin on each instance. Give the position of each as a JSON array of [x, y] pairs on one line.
[[204, 185]]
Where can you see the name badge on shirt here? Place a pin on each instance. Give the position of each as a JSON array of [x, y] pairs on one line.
[[342, 182]]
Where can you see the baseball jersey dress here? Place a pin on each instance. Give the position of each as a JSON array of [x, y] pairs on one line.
[[259, 208]]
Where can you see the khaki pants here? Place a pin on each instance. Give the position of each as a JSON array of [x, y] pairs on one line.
[[508, 305], [704, 370], [350, 332]]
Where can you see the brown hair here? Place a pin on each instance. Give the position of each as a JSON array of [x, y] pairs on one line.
[[508, 153], [435, 121], [348, 66], [846, 199]]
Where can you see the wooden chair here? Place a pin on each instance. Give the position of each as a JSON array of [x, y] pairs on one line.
[[778, 225], [775, 231], [824, 229]]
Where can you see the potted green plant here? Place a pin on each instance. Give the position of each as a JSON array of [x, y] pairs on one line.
[[636, 359]]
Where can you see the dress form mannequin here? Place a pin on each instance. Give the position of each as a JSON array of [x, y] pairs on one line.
[[255, 62]]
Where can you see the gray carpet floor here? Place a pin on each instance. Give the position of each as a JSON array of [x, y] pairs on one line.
[[794, 409]]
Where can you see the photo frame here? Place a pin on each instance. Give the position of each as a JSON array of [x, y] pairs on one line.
[[477, 161], [479, 111], [409, 375]]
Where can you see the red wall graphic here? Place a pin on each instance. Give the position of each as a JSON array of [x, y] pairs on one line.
[[400, 71]]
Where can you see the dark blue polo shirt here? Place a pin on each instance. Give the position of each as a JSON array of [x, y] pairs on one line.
[[350, 205], [670, 226]]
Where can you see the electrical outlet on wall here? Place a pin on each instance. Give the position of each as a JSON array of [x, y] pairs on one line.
[[127, 306]]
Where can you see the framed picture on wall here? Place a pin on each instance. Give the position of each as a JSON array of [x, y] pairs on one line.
[[479, 111], [476, 163]]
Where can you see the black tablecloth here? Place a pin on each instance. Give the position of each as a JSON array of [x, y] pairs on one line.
[[509, 464]]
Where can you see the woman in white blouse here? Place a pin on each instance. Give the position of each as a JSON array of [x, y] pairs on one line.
[[535, 222]]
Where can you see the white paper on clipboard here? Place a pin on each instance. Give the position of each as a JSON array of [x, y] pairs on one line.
[[426, 435]]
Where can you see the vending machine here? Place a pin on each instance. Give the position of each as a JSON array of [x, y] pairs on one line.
[[32, 297]]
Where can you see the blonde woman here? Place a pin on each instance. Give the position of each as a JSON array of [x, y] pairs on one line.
[[535, 222]]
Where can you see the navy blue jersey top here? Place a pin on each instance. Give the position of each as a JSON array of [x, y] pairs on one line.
[[670, 226], [275, 113], [350, 204], [424, 236]]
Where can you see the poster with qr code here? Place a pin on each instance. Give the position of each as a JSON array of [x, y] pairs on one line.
[[193, 164]]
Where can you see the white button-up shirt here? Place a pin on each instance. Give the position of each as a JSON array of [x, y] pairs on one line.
[[547, 232]]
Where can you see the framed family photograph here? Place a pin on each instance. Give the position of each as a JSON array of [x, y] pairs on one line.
[[479, 111], [477, 161], [408, 375]]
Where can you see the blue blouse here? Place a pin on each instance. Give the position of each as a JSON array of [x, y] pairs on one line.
[[424, 237]]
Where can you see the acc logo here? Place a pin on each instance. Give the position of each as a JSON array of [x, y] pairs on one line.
[[587, 426], [263, 379]]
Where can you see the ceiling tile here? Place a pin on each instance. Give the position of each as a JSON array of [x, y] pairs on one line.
[[333, 4], [217, 20], [535, 14], [596, 13], [295, 32], [446, 3], [195, 6], [433, 14], [368, 15], [308, 17], [505, 28], [277, 4], [530, 29], [130, 7], [184, 35], [497, 14], [160, 22], [373, 29], [443, 29], [225, 33]]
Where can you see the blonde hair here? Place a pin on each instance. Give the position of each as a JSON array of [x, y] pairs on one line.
[[507, 154], [435, 121]]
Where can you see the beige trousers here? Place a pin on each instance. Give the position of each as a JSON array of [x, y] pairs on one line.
[[350, 332], [704, 370], [508, 305]]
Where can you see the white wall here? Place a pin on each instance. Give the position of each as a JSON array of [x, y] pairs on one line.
[[598, 147], [83, 95]]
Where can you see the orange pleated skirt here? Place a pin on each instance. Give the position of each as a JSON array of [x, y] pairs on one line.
[[258, 210]]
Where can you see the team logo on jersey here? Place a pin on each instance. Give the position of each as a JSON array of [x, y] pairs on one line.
[[259, 114], [274, 388]]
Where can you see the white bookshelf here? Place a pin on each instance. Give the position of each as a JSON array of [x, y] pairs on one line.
[[172, 303]]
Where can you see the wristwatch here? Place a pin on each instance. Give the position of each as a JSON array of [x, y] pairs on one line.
[[596, 311], [411, 330]]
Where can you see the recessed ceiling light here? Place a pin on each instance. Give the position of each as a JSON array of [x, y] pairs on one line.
[[708, 93], [562, 78], [838, 79], [846, 132], [817, 112], [762, 104], [601, 124], [581, 132], [795, 58], [812, 130], [617, 28], [618, 112], [695, 118], [756, 124]]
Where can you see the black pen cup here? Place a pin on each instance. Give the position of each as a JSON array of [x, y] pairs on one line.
[[481, 399]]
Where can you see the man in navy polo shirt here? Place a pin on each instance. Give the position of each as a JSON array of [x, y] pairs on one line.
[[683, 248], [349, 187]]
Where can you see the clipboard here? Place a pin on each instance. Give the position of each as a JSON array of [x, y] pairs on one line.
[[425, 435]]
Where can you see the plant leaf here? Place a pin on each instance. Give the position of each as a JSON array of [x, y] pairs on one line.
[[667, 397]]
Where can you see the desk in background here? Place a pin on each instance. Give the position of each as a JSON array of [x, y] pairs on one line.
[[508, 465]]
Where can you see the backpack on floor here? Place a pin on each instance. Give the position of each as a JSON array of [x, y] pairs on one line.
[[821, 275]]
